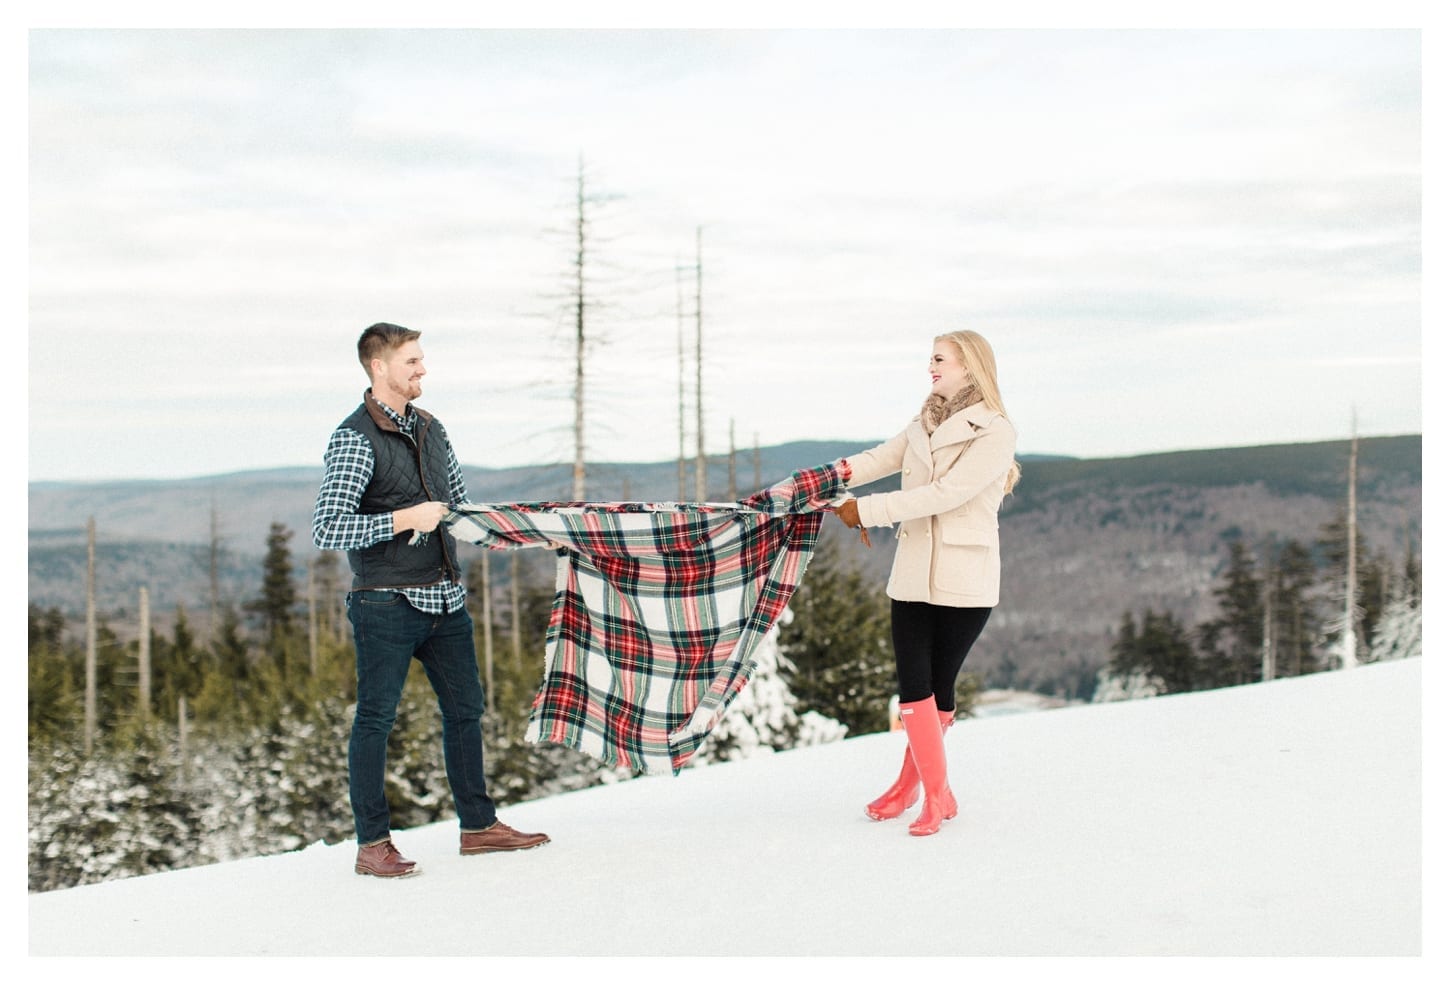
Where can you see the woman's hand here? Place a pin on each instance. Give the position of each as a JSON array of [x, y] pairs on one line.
[[851, 517]]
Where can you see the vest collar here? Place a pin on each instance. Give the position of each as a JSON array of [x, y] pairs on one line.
[[383, 416]]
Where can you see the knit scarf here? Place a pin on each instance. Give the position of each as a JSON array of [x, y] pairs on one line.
[[938, 408]]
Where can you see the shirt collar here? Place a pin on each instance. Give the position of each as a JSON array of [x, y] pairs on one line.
[[404, 421]]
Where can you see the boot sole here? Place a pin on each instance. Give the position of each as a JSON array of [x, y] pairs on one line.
[[922, 834], [360, 870], [490, 851], [885, 816], [885, 813]]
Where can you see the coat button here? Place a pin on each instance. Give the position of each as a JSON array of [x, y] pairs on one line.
[[906, 471]]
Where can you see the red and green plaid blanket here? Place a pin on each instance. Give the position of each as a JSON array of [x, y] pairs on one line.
[[658, 609]]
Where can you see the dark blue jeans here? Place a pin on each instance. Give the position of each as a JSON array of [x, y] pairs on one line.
[[389, 633]]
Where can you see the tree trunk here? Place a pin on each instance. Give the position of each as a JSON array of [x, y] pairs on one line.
[[143, 658], [701, 480], [90, 703], [1347, 657]]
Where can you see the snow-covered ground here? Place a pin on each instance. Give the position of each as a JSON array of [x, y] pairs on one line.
[[1278, 819], [996, 702]]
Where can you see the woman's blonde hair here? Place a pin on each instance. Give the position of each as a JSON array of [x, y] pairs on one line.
[[981, 365]]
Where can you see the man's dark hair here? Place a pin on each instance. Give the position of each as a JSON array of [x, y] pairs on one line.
[[378, 340]]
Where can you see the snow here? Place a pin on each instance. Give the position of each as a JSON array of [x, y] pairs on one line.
[[1279, 819], [1003, 702]]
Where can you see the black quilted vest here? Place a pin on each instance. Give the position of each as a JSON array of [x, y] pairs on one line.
[[406, 471]]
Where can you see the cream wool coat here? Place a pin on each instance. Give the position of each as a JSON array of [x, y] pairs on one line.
[[952, 484]]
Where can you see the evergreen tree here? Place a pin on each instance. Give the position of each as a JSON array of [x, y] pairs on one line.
[[1111, 687], [54, 693], [1295, 618], [1400, 632], [838, 645], [45, 628], [1232, 643], [1399, 627], [764, 717], [115, 678], [1410, 575], [1158, 654], [120, 812], [1374, 593], [178, 664], [277, 605], [225, 685]]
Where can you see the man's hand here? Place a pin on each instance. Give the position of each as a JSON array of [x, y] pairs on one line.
[[423, 518], [851, 517]]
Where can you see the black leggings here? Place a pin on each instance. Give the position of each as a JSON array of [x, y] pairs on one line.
[[931, 643]]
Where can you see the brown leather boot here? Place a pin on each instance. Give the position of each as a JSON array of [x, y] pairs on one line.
[[382, 859], [498, 837]]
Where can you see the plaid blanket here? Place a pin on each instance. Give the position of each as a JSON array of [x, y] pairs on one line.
[[658, 609]]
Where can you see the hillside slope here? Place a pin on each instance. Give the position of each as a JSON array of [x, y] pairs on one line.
[[1272, 819]]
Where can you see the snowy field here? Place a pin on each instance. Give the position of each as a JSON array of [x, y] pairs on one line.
[[1278, 819]]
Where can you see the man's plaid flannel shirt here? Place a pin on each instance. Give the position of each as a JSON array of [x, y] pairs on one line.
[[658, 609]]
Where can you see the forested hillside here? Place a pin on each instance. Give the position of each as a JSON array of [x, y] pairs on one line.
[[1084, 541]]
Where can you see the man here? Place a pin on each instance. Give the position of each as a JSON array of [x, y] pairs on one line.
[[390, 473]]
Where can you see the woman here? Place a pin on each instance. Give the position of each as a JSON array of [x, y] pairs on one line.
[[956, 464]]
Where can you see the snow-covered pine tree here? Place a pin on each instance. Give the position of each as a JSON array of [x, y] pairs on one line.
[[1129, 687], [763, 718], [1398, 633]]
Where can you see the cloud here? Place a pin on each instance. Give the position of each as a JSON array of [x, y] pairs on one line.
[[1115, 207]]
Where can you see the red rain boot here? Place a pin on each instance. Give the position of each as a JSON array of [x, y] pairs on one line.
[[902, 793], [924, 733]]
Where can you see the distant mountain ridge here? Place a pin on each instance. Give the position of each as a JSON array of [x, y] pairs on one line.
[[179, 510], [1084, 540]]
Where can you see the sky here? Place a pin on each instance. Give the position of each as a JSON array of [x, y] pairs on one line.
[[1173, 238], [1280, 820]]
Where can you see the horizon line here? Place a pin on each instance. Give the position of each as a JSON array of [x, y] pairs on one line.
[[717, 458]]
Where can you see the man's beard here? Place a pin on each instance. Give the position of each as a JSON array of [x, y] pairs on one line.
[[408, 389]]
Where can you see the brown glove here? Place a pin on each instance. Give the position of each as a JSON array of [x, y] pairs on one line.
[[851, 516]]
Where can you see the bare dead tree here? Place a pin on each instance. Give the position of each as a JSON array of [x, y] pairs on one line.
[[1347, 656], [516, 632], [582, 302], [143, 656], [182, 737], [213, 565], [312, 616], [90, 700], [1270, 657], [701, 483], [579, 230], [680, 352], [331, 599], [733, 494]]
